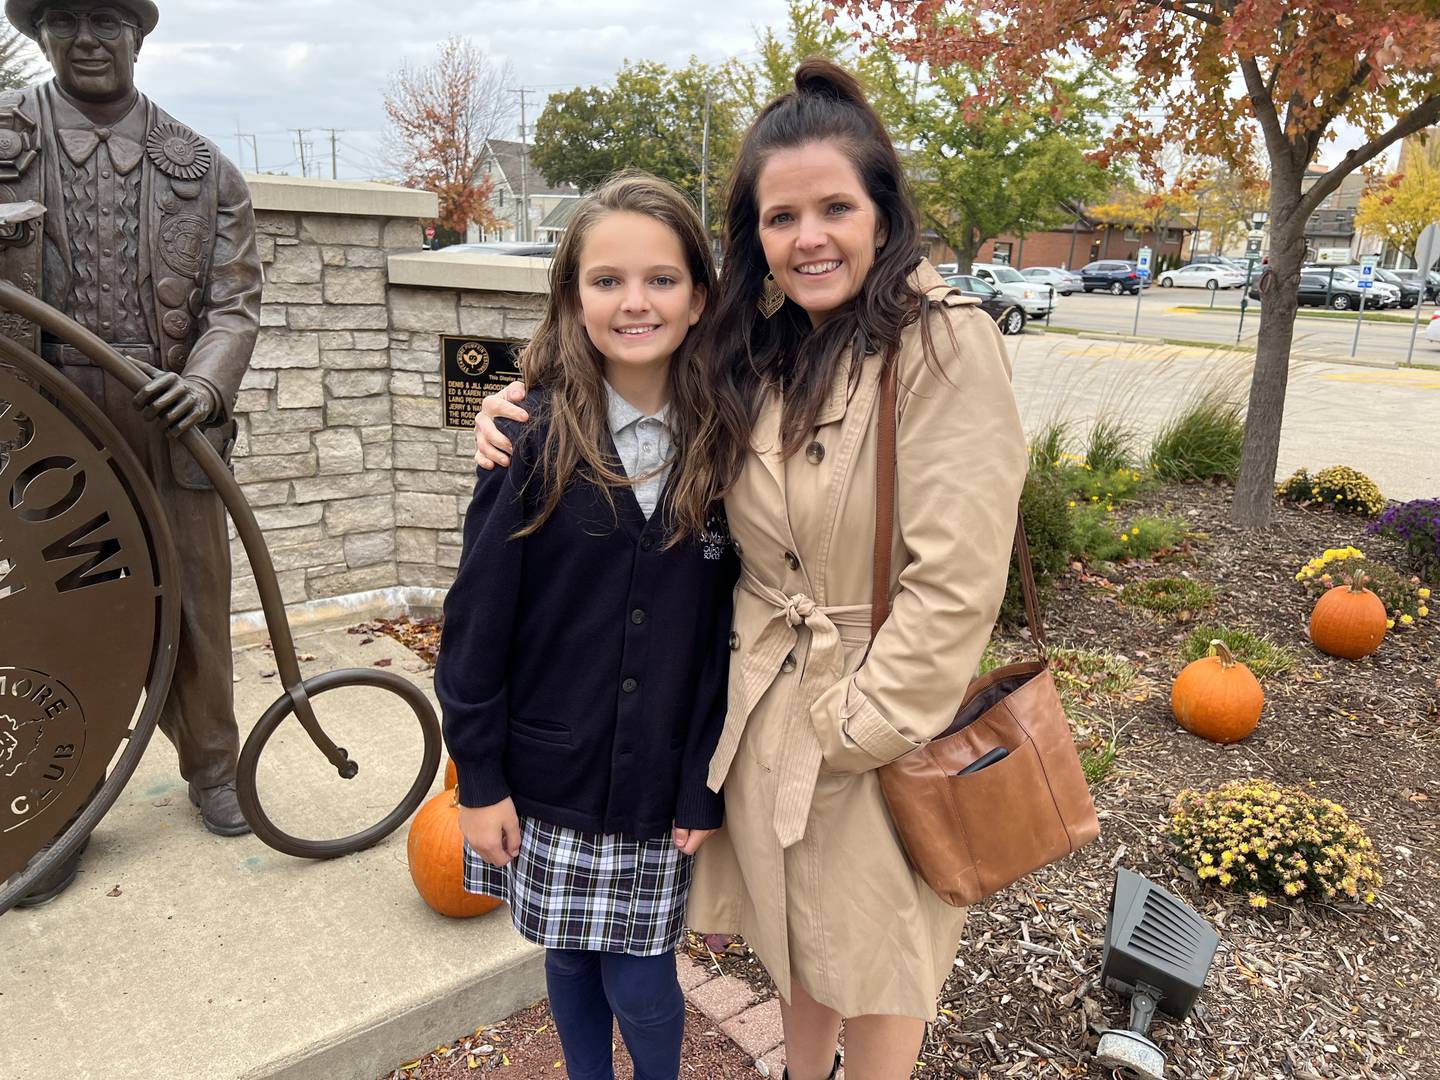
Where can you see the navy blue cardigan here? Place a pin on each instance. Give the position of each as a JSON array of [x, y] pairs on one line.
[[582, 668]]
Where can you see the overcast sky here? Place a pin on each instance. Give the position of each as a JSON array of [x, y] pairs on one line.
[[266, 67]]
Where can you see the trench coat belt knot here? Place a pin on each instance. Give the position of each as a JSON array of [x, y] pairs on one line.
[[799, 754]]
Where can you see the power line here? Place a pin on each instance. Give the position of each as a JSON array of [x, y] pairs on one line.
[[522, 232]]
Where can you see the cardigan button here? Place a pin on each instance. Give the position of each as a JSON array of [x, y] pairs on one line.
[[789, 664], [630, 685], [637, 616], [646, 543], [791, 561], [734, 641], [815, 452]]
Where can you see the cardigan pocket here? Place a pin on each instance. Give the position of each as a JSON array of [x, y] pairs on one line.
[[546, 731]]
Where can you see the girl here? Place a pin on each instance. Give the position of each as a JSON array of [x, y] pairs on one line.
[[581, 667], [825, 289]]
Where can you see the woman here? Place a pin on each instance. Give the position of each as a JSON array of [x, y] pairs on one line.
[[824, 284]]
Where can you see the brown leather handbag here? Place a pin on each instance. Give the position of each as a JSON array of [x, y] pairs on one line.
[[1000, 792]]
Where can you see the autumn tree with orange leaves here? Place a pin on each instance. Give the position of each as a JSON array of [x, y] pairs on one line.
[[1224, 75], [441, 115]]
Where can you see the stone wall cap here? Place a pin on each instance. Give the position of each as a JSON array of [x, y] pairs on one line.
[[491, 273], [351, 198]]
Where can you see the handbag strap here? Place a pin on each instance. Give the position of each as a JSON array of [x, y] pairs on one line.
[[885, 467]]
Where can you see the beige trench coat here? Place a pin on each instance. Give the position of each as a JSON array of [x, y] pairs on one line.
[[808, 866]]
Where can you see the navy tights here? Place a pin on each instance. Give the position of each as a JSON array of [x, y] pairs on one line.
[[589, 990]]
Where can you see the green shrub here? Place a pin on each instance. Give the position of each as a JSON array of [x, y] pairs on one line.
[[1083, 676], [1100, 537], [1109, 485], [1203, 442], [1168, 595], [1261, 655], [1110, 445], [1416, 525], [1049, 530], [1339, 486], [1047, 449], [1253, 837]]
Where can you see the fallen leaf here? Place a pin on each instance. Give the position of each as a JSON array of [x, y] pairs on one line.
[[383, 662], [114, 892]]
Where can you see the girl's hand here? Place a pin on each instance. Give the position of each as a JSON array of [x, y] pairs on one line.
[[491, 447], [687, 840], [493, 831]]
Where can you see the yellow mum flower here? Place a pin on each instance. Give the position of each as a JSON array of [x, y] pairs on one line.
[[1258, 901], [1407, 619], [1389, 624], [1423, 610], [1424, 594], [1071, 504]]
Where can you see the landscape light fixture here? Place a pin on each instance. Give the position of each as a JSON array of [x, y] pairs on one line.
[[1158, 951]]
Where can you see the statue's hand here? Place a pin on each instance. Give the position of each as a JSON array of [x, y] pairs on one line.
[[179, 403]]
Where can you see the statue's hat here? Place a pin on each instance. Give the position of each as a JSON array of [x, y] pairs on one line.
[[23, 13]]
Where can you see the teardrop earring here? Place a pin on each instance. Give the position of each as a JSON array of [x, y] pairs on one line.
[[772, 297]]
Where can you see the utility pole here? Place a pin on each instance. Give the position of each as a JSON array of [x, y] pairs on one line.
[[522, 225], [300, 142], [334, 153], [705, 168]]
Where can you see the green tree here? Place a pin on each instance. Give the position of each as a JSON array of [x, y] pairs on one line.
[[807, 32], [650, 118], [18, 66], [977, 174]]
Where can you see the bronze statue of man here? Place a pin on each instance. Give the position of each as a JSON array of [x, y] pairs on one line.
[[149, 242]]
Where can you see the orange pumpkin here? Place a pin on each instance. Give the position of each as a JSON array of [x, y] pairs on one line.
[[452, 779], [1217, 697], [436, 854], [1349, 621]]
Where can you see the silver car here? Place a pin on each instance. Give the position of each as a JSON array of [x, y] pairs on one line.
[[1065, 281]]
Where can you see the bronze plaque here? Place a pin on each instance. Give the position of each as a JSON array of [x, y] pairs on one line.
[[79, 612], [471, 368]]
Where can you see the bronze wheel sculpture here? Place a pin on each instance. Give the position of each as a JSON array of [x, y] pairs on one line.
[[31, 473]]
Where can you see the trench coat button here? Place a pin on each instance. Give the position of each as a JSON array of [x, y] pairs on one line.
[[637, 616], [734, 641], [630, 685], [815, 452], [789, 664], [791, 561]]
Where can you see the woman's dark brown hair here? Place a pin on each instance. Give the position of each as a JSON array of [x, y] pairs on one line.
[[749, 353], [562, 359]]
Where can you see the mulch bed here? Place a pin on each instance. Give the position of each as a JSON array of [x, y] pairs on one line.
[[1298, 989]]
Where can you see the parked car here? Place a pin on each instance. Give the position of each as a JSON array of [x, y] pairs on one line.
[[1037, 300], [1410, 292], [1115, 276], [503, 247], [1316, 290], [1210, 276], [1381, 293], [1065, 281], [1432, 331], [1008, 315], [1431, 281]]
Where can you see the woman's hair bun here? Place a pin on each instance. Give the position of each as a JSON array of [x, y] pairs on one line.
[[825, 78]]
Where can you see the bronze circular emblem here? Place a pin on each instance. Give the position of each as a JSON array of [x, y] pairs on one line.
[[473, 358], [184, 241], [10, 144], [172, 291], [176, 323], [177, 151], [42, 741]]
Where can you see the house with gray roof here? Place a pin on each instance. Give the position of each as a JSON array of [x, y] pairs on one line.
[[525, 203]]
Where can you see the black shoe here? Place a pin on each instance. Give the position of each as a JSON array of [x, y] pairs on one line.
[[833, 1069], [220, 809], [55, 882]]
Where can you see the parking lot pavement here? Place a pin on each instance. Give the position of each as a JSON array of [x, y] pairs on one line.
[[1380, 342], [1376, 420]]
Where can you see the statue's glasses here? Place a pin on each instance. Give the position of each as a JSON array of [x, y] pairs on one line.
[[105, 25]]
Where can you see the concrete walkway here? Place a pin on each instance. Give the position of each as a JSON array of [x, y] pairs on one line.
[[1378, 420], [181, 954]]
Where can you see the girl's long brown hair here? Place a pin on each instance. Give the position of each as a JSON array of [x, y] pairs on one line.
[[562, 359], [751, 354]]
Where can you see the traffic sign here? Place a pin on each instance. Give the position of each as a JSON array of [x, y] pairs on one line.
[[1143, 262], [1427, 247], [1367, 271]]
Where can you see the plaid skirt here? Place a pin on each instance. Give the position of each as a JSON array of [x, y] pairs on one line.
[[569, 889]]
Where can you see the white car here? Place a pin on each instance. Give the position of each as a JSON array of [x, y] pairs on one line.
[[1382, 294], [1037, 300], [1202, 276], [1065, 281], [1432, 331]]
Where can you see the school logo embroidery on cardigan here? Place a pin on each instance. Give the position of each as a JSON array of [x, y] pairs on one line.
[[716, 537]]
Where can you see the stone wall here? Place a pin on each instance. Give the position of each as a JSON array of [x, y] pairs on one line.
[[341, 452]]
